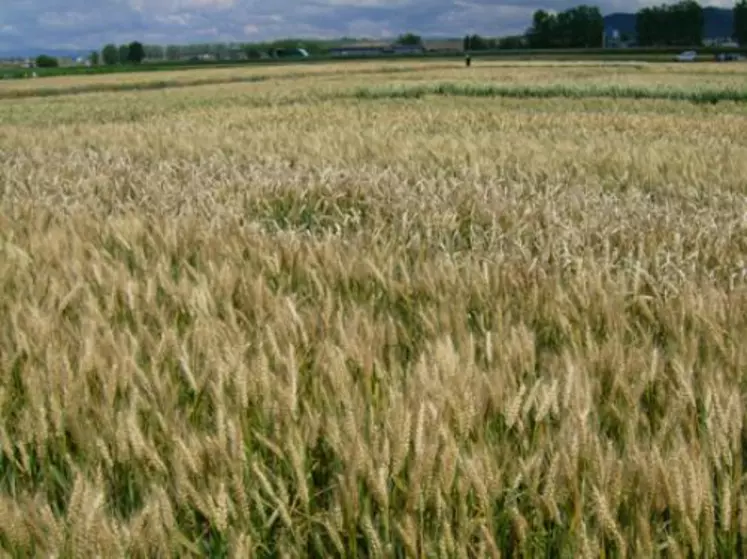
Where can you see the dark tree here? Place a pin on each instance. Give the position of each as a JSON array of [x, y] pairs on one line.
[[686, 22], [124, 54], [584, 27], [135, 52], [679, 24], [409, 39], [46, 61], [475, 42], [648, 22], [544, 27], [579, 27], [110, 55], [511, 43], [740, 22]]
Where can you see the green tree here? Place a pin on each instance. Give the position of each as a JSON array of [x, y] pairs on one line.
[[110, 54], [94, 58], [475, 42], [409, 39], [686, 21], [124, 54], [740, 22], [511, 43], [579, 27], [679, 24], [46, 61], [544, 28], [583, 27], [135, 52], [648, 25]]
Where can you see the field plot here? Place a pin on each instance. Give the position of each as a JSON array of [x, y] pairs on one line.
[[383, 310]]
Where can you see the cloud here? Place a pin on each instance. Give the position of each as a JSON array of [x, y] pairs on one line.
[[81, 24]]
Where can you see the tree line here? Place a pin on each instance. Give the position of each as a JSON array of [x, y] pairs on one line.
[[670, 25], [579, 27], [678, 24], [681, 24], [135, 52], [740, 22], [111, 54]]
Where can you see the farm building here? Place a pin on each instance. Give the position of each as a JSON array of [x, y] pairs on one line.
[[444, 45], [363, 48], [354, 50], [408, 49], [375, 49]]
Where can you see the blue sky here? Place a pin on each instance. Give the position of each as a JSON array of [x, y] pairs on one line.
[[85, 24]]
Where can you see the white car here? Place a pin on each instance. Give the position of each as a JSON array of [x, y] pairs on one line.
[[687, 56]]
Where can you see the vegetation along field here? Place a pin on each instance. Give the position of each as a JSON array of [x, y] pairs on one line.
[[375, 310]]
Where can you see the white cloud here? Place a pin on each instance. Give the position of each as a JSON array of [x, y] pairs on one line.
[[174, 19], [184, 5], [73, 20]]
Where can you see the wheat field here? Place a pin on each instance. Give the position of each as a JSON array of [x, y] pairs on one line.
[[376, 310]]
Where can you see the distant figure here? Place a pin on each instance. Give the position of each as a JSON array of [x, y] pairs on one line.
[[467, 60]]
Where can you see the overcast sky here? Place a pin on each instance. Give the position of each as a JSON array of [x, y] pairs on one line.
[[85, 24]]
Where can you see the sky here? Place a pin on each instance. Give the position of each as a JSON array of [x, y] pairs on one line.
[[89, 24]]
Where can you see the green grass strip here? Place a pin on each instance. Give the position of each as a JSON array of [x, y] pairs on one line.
[[410, 91], [418, 90]]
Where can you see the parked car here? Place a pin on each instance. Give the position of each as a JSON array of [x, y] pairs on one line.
[[728, 57], [687, 56]]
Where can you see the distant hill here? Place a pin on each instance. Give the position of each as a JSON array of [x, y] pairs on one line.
[[719, 22]]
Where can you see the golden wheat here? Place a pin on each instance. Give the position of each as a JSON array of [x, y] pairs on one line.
[[251, 320]]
